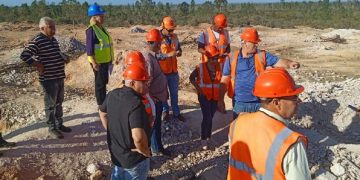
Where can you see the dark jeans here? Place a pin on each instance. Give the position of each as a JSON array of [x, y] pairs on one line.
[[156, 143], [208, 109], [101, 79], [53, 99]]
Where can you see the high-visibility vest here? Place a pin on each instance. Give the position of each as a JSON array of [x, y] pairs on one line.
[[104, 51], [147, 106], [209, 88], [260, 66], [258, 145], [209, 38], [169, 65]]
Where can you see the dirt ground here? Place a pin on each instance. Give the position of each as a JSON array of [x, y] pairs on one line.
[[329, 62]]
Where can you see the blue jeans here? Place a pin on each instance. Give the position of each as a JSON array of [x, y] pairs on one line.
[[173, 84], [139, 172], [53, 99], [156, 143], [208, 109], [240, 107]]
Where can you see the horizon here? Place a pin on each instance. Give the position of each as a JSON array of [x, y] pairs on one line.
[[124, 2]]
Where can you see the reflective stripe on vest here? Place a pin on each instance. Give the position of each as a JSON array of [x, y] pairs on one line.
[[243, 167], [104, 50], [259, 63]]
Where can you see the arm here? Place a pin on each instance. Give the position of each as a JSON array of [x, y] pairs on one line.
[[193, 76], [225, 80], [28, 56], [287, 63], [178, 48], [103, 118], [90, 48], [295, 163], [201, 44], [140, 141]]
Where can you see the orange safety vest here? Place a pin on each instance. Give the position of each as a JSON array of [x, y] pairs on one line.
[[209, 38], [258, 145], [169, 65], [209, 88], [260, 66], [148, 109]]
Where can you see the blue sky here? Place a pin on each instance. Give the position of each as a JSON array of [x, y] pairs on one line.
[[114, 2]]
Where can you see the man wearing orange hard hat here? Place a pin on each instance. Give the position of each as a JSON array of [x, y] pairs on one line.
[[169, 51], [128, 133], [261, 145], [241, 70], [158, 88], [216, 35]]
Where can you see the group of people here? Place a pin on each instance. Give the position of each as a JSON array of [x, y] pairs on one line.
[[264, 96]]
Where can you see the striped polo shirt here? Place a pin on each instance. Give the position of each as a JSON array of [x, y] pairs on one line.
[[47, 51]]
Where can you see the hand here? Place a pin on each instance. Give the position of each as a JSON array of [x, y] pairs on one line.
[[95, 66], [294, 65], [223, 55], [221, 106], [147, 153], [39, 67], [171, 54]]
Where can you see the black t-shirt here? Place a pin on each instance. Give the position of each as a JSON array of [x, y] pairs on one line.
[[125, 111]]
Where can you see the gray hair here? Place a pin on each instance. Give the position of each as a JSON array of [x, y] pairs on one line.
[[45, 21], [127, 82]]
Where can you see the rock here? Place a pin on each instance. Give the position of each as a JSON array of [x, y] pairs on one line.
[[42, 177], [98, 175], [337, 169], [324, 175], [92, 168], [137, 30]]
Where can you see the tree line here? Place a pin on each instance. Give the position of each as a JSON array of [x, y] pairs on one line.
[[322, 14]]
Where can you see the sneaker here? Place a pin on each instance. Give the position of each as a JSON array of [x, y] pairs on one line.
[[56, 133], [4, 143], [165, 116], [64, 129], [180, 118], [204, 144]]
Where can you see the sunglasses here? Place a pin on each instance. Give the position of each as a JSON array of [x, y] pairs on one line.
[[170, 30]]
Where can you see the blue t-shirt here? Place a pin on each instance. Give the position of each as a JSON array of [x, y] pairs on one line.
[[245, 76]]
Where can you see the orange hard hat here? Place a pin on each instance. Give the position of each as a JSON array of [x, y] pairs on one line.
[[134, 57], [276, 82], [136, 72], [220, 20], [211, 51], [251, 35], [168, 23], [153, 35]]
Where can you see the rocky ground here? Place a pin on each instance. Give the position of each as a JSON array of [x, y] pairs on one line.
[[329, 73]]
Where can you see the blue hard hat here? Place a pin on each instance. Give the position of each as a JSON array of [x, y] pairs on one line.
[[94, 10]]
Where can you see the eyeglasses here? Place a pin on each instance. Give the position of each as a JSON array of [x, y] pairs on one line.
[[170, 30], [291, 98]]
